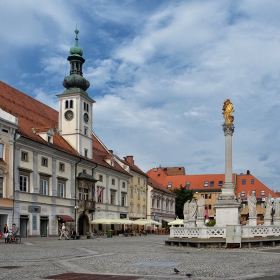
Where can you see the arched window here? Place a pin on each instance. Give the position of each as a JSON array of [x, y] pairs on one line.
[[66, 104], [71, 103]]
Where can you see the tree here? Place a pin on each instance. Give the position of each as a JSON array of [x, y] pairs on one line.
[[183, 195]]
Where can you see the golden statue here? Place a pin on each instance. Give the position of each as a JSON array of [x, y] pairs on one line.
[[227, 112]]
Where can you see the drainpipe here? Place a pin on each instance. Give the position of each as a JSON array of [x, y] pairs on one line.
[[14, 188]]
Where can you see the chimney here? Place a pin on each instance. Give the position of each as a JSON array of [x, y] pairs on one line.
[[248, 172], [129, 159], [111, 151]]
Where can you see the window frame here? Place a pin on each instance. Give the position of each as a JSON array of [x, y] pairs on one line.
[[24, 156], [61, 166], [22, 175], [61, 185], [2, 147], [44, 161], [44, 186]]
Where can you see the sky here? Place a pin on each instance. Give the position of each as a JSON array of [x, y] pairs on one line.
[[159, 72]]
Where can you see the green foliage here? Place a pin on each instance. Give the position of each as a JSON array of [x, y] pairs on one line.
[[211, 223], [183, 195]]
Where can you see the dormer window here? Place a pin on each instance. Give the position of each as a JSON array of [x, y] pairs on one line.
[[44, 162], [86, 153]]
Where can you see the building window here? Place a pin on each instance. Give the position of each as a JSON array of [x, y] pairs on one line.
[[44, 186], [211, 183], [86, 129], [85, 194], [24, 156], [123, 185], [23, 183], [61, 190], [138, 209], [254, 193], [262, 192], [71, 103], [49, 139], [113, 181], [252, 181], [1, 187], [139, 194], [61, 166], [85, 106], [66, 104], [131, 208], [208, 196], [153, 202], [44, 162], [209, 207], [112, 198], [80, 194], [206, 184], [169, 185], [131, 192], [138, 180], [123, 199], [188, 184], [243, 193], [86, 153], [220, 183], [158, 203], [100, 178], [243, 182], [167, 205], [1, 151]]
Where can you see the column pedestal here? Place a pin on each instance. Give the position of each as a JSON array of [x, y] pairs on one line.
[[189, 223], [200, 222], [267, 222], [252, 221]]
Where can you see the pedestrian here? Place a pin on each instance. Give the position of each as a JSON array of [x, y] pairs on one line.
[[63, 232], [14, 233], [73, 234], [6, 232]]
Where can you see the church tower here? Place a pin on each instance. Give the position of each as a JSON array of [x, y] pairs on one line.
[[75, 106]]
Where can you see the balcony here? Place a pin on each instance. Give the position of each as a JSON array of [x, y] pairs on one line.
[[87, 205]]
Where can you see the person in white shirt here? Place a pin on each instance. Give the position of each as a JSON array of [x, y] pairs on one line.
[[63, 232]]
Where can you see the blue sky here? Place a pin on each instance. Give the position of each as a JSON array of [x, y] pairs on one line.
[[159, 73]]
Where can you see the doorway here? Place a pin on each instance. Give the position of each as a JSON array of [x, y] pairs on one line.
[[44, 226], [83, 225], [23, 226]]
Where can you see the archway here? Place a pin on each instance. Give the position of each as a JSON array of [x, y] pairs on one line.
[[83, 224]]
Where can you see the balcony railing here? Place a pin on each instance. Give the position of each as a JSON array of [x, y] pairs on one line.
[[86, 204]]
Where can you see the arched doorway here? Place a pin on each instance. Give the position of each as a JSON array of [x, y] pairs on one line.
[[83, 224]]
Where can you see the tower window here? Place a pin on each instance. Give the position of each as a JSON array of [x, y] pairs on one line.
[[86, 153], [86, 129], [71, 103], [66, 104], [85, 106]]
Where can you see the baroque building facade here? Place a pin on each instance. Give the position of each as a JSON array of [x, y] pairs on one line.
[[62, 171]]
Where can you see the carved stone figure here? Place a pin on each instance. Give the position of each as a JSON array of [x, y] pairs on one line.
[[201, 207], [189, 209], [186, 210], [268, 206], [252, 202], [227, 112], [276, 208]]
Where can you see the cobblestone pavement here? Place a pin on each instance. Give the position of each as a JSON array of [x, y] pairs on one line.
[[142, 258]]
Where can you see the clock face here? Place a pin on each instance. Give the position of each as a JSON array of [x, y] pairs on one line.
[[69, 115], [86, 118]]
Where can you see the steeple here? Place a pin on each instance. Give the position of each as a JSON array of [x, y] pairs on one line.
[[76, 82]]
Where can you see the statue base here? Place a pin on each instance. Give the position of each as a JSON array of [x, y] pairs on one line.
[[200, 222], [189, 223], [276, 221], [267, 222], [252, 221]]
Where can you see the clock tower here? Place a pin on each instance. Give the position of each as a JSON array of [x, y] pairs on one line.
[[75, 106]]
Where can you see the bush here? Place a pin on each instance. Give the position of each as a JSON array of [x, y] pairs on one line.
[[210, 223]]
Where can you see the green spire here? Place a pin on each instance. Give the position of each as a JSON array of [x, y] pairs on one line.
[[76, 50]]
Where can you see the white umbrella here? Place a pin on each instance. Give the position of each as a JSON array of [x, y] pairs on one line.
[[124, 221], [178, 222], [142, 222], [105, 221], [153, 222]]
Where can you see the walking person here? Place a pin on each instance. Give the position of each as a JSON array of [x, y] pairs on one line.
[[63, 232], [6, 233]]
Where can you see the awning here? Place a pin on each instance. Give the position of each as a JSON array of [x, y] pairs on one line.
[[65, 218]]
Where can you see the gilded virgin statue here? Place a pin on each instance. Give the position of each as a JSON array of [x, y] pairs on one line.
[[227, 112]]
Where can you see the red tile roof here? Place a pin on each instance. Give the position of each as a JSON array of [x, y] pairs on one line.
[[154, 184], [32, 113], [197, 182]]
